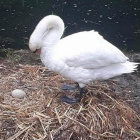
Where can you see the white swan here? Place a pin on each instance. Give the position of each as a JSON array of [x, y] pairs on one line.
[[82, 57]]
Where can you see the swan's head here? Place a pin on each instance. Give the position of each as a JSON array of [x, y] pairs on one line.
[[48, 31], [34, 44]]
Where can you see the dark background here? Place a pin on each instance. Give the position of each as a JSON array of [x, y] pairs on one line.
[[117, 20]]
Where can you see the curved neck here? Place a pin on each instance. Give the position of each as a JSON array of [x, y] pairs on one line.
[[48, 31]]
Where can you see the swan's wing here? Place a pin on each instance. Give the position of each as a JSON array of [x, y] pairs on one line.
[[93, 60], [90, 50]]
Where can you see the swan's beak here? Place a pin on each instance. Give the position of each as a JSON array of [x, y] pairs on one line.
[[34, 47], [37, 51]]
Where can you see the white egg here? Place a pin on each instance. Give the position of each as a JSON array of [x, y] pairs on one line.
[[18, 93]]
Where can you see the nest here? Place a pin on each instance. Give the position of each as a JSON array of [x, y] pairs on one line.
[[41, 116]]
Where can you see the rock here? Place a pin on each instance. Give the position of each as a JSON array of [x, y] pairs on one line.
[[18, 93]]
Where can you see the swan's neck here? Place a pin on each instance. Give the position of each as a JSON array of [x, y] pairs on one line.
[[48, 32], [45, 36]]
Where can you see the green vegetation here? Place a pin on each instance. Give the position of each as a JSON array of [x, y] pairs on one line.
[[7, 53], [4, 52]]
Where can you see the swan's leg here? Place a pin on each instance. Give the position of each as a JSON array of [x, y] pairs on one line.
[[77, 99], [69, 87]]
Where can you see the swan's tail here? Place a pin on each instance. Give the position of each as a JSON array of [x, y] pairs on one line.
[[130, 66], [114, 70]]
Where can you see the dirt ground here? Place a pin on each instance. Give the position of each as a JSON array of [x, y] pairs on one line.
[[110, 110]]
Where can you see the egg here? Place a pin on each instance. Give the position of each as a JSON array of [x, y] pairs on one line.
[[18, 93]]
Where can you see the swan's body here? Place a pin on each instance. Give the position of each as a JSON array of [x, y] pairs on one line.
[[81, 57]]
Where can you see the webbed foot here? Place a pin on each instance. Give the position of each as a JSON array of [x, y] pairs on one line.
[[68, 100], [69, 87], [77, 99]]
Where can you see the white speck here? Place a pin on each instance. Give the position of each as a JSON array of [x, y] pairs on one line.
[[126, 13], [3, 29], [101, 16], [89, 10], [135, 8], [18, 93], [85, 20], [74, 5], [109, 17]]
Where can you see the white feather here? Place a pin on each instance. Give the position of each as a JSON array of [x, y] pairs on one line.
[[82, 57]]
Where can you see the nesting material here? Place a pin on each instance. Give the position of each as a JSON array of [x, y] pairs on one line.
[[18, 93], [101, 115]]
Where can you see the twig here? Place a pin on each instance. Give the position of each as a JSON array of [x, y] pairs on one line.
[[19, 133], [57, 115], [81, 125]]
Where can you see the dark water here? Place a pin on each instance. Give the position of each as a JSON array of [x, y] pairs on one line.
[[117, 20]]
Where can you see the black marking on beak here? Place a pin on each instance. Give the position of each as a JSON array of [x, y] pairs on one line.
[[35, 51]]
